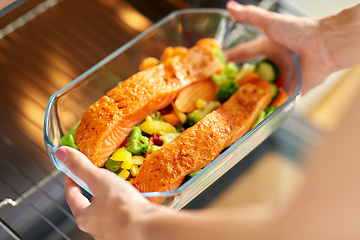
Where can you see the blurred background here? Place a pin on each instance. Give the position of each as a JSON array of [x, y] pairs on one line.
[[45, 44]]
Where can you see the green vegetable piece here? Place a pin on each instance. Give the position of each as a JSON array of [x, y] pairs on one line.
[[220, 54], [198, 114], [191, 175], [245, 70], [158, 117], [231, 70], [193, 117], [154, 148], [180, 127], [219, 79], [137, 144], [260, 118], [225, 148], [226, 90], [267, 70], [68, 139], [269, 110], [168, 137], [112, 165], [194, 173], [274, 91], [211, 106]]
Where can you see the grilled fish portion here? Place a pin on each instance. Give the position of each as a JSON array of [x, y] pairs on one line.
[[166, 168], [106, 124]]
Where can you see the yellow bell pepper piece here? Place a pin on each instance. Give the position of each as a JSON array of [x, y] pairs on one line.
[[127, 165], [121, 154], [124, 174], [152, 126], [137, 160], [134, 170]]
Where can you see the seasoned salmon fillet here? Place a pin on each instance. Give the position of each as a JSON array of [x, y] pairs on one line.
[[106, 124], [166, 168]]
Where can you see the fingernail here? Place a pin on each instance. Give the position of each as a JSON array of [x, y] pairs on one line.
[[61, 154], [232, 3]]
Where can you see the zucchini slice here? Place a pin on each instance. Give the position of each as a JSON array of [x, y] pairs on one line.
[[274, 91], [267, 70]]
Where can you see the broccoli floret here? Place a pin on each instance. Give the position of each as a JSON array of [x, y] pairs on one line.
[[198, 114], [68, 139], [231, 70], [220, 54], [191, 175], [154, 148], [193, 117], [219, 79], [212, 105], [226, 90], [180, 127], [157, 117], [137, 144]]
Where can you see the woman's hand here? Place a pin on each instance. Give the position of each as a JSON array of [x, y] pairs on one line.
[[319, 43], [116, 210]]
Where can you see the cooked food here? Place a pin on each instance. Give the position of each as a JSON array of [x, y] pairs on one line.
[[268, 70], [196, 147], [106, 124], [161, 126]]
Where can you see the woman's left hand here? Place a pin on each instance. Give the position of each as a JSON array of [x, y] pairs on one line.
[[116, 209]]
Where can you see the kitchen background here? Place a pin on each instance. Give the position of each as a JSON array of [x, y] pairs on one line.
[[44, 45]]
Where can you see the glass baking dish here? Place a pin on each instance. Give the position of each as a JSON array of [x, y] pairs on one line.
[[180, 28]]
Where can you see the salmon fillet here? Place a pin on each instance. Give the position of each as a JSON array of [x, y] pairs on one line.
[[166, 168], [106, 124]]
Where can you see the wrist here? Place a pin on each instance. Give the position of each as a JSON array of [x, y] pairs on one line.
[[151, 224], [340, 35]]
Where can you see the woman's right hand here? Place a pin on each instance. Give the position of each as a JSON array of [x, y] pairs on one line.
[[316, 41]]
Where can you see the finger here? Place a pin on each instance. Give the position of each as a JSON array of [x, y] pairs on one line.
[[250, 14], [98, 180], [245, 51], [77, 202], [83, 168]]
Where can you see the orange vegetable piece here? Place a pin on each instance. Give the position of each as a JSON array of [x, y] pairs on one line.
[[148, 62], [172, 118], [250, 78], [263, 85], [209, 41], [180, 51], [280, 99], [171, 52], [185, 102], [167, 53]]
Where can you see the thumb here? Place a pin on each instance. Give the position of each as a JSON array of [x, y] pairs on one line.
[[99, 180], [251, 14], [82, 167], [288, 31]]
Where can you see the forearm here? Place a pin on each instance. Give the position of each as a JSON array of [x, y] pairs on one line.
[[340, 35], [251, 224]]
